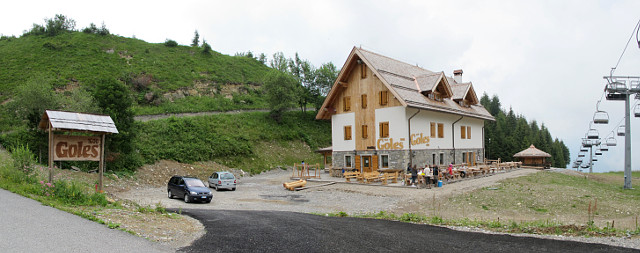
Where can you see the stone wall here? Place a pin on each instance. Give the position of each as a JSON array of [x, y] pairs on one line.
[[399, 159]]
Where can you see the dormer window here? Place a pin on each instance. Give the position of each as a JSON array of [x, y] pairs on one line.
[[435, 96], [464, 103]]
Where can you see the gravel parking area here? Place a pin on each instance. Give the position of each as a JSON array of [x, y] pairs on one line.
[[265, 192]]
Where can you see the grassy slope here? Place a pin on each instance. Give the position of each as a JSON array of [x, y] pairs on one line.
[[84, 57], [554, 197], [87, 57], [250, 141]]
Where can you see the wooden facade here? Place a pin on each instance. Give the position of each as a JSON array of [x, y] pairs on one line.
[[383, 111]]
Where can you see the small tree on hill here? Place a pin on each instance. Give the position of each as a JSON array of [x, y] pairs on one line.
[[206, 48], [196, 39]]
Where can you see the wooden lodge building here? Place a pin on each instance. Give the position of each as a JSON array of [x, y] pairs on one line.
[[386, 114]]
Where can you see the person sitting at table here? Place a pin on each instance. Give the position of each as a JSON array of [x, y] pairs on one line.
[[463, 171], [450, 171]]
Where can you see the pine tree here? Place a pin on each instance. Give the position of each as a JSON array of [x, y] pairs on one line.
[[196, 39]]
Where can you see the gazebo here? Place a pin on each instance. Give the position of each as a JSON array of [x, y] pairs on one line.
[[533, 157]]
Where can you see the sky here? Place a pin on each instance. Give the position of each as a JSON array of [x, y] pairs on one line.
[[544, 59]]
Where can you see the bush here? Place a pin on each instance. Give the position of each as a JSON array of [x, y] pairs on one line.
[[170, 43], [23, 159]]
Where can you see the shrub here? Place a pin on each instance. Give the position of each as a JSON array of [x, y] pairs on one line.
[[170, 43], [23, 159]]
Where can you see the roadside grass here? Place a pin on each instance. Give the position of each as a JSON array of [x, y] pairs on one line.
[[568, 199], [71, 195], [539, 203], [506, 226]]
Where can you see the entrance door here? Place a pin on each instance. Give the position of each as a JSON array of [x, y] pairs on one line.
[[366, 164]]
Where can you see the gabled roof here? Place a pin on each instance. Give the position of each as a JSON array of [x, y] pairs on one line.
[[464, 91], [75, 121], [532, 151], [407, 82]]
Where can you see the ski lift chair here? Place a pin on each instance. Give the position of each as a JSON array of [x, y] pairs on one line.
[[600, 117], [612, 142], [594, 159], [636, 110], [604, 148], [581, 155], [598, 152], [634, 86], [621, 130]]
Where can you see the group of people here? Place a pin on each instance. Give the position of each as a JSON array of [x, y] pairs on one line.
[[426, 170]]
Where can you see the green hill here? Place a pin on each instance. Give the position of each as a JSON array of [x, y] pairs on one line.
[[163, 78]]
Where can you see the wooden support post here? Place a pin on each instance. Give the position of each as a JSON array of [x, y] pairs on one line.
[[50, 153], [101, 166]]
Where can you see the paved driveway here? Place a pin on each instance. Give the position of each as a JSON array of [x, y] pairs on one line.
[[276, 231], [28, 226]]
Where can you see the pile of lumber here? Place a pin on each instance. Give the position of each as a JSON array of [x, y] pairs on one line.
[[295, 184]]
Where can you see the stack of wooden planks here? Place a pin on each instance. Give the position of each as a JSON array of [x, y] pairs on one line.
[[295, 184]]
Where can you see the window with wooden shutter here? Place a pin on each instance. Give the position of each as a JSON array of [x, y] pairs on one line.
[[440, 130], [468, 132], [346, 104], [347, 133], [363, 70], [347, 161], [463, 131], [384, 129], [433, 130], [384, 97], [363, 100], [365, 132], [357, 163]]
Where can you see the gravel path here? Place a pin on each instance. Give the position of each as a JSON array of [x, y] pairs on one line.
[[28, 226]]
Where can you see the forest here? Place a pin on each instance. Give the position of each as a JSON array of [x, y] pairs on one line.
[[512, 133]]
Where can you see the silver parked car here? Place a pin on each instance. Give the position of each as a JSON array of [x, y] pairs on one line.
[[222, 180]]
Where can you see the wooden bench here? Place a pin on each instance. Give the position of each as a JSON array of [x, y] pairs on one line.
[[371, 177], [351, 175], [386, 176]]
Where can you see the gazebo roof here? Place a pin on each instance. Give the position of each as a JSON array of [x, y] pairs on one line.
[[532, 151]]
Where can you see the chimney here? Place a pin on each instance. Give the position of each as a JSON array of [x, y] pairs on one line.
[[457, 75]]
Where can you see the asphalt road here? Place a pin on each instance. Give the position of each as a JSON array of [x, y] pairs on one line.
[[28, 226], [273, 231]]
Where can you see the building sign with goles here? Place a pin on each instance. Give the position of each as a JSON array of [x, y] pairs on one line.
[[76, 148]]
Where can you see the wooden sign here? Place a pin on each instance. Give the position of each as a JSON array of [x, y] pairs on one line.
[[76, 148]]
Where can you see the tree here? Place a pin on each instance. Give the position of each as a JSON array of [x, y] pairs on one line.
[[325, 76], [280, 92], [33, 98], [206, 48], [114, 99], [196, 39], [262, 58], [170, 43], [59, 24], [279, 62]]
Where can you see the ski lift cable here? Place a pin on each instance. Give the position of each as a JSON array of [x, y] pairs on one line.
[[626, 45], [619, 122]]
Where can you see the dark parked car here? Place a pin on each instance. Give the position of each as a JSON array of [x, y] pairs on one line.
[[188, 188], [222, 180]]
